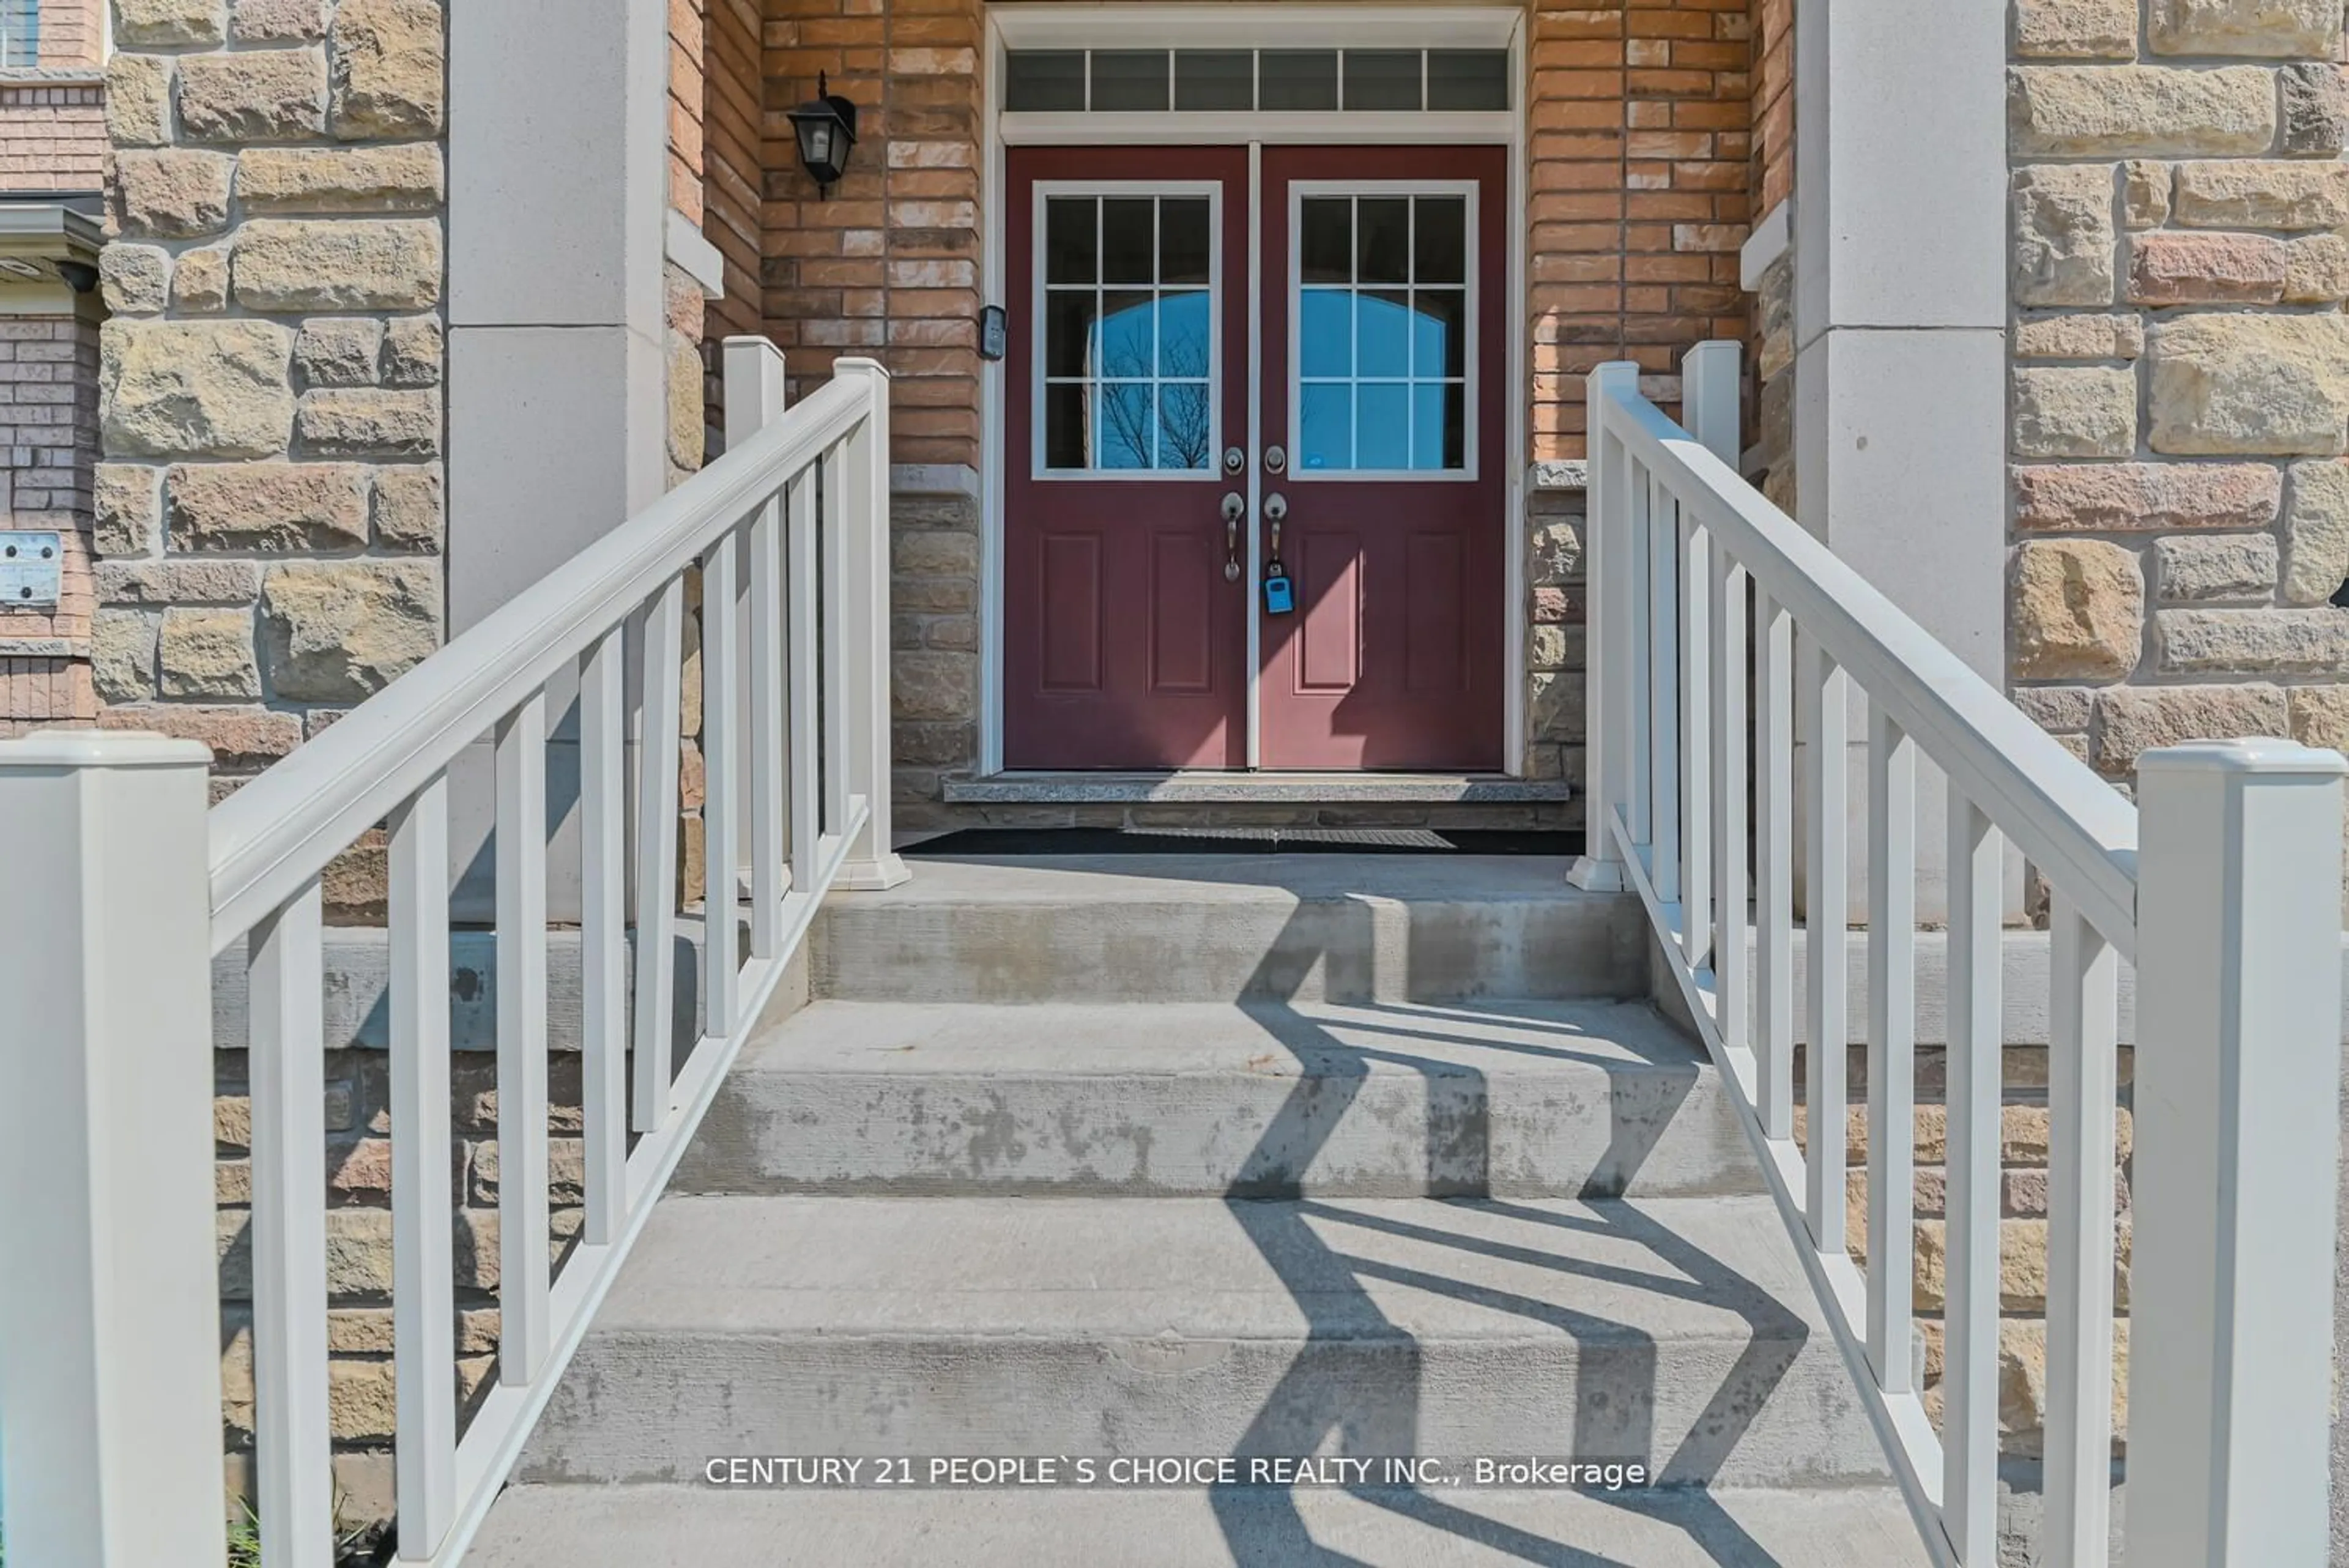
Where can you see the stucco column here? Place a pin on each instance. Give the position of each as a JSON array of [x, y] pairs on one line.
[[557, 202], [1899, 322]]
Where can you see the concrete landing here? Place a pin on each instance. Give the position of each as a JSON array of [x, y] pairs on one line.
[[1228, 927], [697, 1527], [1526, 1100], [1674, 1332]]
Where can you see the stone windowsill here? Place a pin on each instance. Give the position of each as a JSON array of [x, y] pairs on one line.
[[51, 75]]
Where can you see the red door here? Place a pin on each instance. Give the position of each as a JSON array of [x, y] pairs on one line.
[[1143, 511], [1125, 640], [1382, 287]]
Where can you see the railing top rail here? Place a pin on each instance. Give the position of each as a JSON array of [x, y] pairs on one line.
[[282, 829], [2077, 829]]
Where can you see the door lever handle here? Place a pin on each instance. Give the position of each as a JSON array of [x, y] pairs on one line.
[[1235, 508], [1275, 511]]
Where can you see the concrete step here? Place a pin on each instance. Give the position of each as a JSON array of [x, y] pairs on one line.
[[1676, 1333], [1408, 1099], [1232, 928], [699, 1527]]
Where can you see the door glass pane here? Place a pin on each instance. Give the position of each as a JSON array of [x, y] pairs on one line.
[[1467, 78], [1440, 238], [1439, 337], [1129, 240], [1128, 436], [1072, 239], [1128, 343], [1182, 240], [1382, 334], [1327, 240], [1325, 333], [1186, 424], [1382, 423], [1049, 81], [1382, 239], [1296, 79], [1129, 80], [1186, 334], [1070, 345], [1065, 440], [1383, 78], [1128, 333], [1325, 427], [1214, 80]]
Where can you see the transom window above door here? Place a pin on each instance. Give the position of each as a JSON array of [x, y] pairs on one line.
[[1238, 81], [1129, 329], [1383, 333]]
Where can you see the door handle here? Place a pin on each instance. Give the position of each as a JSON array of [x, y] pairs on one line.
[[1235, 508], [1275, 511]]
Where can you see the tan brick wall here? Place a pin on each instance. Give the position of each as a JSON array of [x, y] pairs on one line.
[[52, 134], [887, 264], [736, 155], [48, 428], [1640, 140], [73, 33]]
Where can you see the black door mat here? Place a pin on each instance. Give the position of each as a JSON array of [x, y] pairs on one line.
[[1019, 842]]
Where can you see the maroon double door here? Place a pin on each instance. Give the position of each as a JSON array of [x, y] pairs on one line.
[[1181, 417]]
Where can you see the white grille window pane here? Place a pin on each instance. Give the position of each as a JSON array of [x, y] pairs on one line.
[[1126, 80], [1297, 80], [20, 33], [1128, 334], [1383, 78], [1467, 78], [1041, 80], [1210, 79]]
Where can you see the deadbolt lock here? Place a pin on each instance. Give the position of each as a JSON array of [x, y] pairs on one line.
[[1276, 460]]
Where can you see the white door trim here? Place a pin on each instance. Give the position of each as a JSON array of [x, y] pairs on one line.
[[1066, 25]]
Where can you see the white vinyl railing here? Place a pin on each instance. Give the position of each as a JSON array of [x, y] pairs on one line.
[[122, 888], [1724, 640]]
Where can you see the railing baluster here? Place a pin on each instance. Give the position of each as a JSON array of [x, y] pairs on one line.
[[1891, 1046], [1825, 937], [525, 1328], [1970, 1345], [2082, 1063], [1638, 636], [660, 658], [1697, 697], [802, 771], [1664, 691], [286, 1059], [603, 938], [423, 1253], [1731, 827], [1774, 865], [721, 752], [873, 863], [769, 779], [834, 724], [1710, 399]]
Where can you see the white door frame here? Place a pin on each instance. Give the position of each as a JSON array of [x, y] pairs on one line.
[[1065, 25]]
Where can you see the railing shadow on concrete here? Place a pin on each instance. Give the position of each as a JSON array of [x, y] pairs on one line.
[[109, 1307]]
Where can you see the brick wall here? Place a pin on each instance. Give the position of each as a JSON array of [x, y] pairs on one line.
[[73, 33], [1640, 139], [52, 132], [737, 148], [887, 264], [49, 426]]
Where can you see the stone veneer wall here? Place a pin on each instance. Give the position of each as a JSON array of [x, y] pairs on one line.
[[269, 513], [2181, 372]]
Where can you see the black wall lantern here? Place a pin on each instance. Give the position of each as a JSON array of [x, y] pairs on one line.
[[827, 130]]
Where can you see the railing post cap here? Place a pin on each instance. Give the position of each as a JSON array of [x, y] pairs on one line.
[[859, 365], [52, 749], [750, 342], [2262, 755]]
